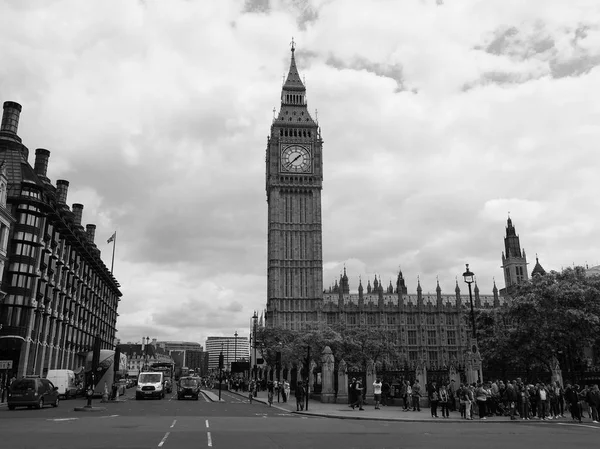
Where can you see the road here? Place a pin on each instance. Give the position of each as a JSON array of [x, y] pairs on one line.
[[234, 423]]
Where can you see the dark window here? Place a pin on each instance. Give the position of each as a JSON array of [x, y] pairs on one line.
[[23, 385]]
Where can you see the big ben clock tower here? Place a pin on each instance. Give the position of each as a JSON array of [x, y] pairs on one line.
[[294, 179]]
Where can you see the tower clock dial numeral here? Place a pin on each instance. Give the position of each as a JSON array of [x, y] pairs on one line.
[[295, 159]]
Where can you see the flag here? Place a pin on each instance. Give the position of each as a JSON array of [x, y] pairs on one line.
[[112, 237]]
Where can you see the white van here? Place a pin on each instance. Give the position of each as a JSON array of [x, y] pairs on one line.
[[64, 380], [150, 385]]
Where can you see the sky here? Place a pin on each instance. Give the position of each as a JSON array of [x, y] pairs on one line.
[[439, 119]]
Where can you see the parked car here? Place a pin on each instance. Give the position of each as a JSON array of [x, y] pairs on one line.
[[188, 388], [32, 392], [64, 380]]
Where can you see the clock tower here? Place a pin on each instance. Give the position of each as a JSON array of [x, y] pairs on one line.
[[294, 179]]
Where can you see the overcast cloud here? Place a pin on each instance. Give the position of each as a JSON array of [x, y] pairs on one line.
[[439, 117]]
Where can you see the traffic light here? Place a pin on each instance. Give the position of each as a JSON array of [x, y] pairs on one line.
[[221, 361], [278, 358]]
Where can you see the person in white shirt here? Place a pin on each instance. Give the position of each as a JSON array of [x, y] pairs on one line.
[[377, 392]]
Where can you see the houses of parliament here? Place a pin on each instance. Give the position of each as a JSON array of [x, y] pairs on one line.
[[427, 327]]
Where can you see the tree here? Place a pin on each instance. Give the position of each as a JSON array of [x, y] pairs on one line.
[[552, 314], [356, 345]]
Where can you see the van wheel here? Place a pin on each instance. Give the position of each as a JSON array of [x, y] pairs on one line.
[[55, 404], [40, 404], [11, 407]]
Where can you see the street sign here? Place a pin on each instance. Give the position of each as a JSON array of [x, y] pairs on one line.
[[5, 364]]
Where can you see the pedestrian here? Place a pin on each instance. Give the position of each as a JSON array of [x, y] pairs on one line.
[[299, 393], [377, 392], [444, 401], [433, 399], [511, 398], [572, 399], [385, 392], [593, 399], [467, 399], [416, 396], [358, 402], [481, 398], [560, 399], [406, 392], [270, 391], [352, 392], [461, 396], [286, 390], [542, 396], [452, 395]]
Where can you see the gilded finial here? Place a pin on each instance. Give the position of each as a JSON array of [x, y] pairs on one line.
[[293, 44]]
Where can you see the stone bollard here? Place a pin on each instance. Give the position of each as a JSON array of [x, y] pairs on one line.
[[327, 379], [370, 379], [342, 393]]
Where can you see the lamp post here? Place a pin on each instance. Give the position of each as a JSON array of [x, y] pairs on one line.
[[146, 354], [469, 276], [307, 374], [255, 322], [235, 347]]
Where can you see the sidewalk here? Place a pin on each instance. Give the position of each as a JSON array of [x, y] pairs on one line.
[[385, 413]]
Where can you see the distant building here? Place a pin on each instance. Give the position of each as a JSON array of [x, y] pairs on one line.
[[140, 357], [197, 361], [593, 271], [179, 345], [514, 260], [233, 349]]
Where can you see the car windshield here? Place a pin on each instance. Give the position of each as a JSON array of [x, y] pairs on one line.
[[189, 383], [149, 378], [23, 384]]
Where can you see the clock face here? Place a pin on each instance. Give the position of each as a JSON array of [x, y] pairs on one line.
[[295, 159]]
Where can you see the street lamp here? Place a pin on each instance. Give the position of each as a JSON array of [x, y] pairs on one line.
[[235, 347], [255, 320], [146, 353], [469, 278]]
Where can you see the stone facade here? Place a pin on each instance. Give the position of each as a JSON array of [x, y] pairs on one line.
[[432, 330], [294, 178]]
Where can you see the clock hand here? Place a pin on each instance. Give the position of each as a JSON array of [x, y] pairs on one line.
[[296, 158]]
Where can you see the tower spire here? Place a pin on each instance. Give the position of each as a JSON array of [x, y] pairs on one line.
[[293, 81]]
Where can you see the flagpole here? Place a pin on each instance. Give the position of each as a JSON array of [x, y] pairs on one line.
[[112, 264]]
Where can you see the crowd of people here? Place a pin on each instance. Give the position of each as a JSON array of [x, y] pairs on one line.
[[515, 399]]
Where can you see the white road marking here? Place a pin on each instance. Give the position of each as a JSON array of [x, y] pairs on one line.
[[209, 439], [578, 425], [207, 423], [109, 416], [164, 439], [62, 419], [173, 425]]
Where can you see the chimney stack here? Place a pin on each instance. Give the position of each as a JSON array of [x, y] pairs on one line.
[[91, 232], [61, 191], [10, 117], [78, 212], [41, 162]]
